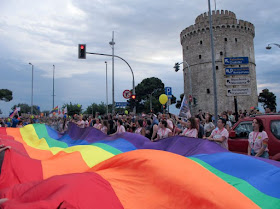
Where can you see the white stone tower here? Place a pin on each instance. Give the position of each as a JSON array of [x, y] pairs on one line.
[[232, 38]]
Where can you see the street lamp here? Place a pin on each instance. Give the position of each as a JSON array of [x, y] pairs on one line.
[[269, 47], [106, 90], [133, 80], [190, 79], [112, 43], [32, 89]]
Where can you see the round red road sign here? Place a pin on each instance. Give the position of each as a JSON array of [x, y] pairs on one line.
[[127, 94]]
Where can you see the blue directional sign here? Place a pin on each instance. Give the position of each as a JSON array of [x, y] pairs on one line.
[[121, 104], [237, 71], [168, 91], [236, 60]]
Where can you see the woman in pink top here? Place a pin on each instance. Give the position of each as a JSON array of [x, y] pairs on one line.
[[104, 127], [220, 134], [258, 140], [120, 127], [191, 130], [163, 131], [97, 125], [139, 128]]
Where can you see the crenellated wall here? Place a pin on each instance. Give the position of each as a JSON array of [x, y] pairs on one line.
[[220, 20]]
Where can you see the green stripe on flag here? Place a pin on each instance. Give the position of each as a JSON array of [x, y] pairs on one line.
[[42, 132], [259, 198]]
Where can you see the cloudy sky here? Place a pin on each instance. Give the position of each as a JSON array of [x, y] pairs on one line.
[[147, 35]]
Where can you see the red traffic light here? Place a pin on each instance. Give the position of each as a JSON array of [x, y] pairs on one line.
[[82, 51], [133, 97]]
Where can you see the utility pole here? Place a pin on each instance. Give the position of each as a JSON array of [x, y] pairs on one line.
[[106, 90], [53, 86], [213, 64], [32, 89], [112, 43]]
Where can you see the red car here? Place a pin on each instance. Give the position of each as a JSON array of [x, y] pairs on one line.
[[238, 136]]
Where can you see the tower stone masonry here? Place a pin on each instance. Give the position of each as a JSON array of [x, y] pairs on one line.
[[232, 38]]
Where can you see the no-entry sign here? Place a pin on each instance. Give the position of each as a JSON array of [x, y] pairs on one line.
[[127, 94]]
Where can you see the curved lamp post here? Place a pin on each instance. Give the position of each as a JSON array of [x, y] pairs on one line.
[[269, 47]]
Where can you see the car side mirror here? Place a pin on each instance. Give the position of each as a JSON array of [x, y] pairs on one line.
[[232, 134]]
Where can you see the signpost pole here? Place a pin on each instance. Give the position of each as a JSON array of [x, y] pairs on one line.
[[236, 110]]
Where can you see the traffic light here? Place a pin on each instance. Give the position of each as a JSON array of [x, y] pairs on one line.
[[194, 101], [133, 97], [177, 67], [82, 51]]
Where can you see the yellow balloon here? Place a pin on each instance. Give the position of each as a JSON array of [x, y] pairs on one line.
[[163, 99]]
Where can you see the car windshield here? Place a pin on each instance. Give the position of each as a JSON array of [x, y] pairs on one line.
[[275, 128], [244, 129]]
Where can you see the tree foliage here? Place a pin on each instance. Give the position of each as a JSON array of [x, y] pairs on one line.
[[268, 99], [149, 87], [73, 109], [6, 95], [25, 108], [100, 108]]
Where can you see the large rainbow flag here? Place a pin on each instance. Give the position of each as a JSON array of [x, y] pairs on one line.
[[84, 168]]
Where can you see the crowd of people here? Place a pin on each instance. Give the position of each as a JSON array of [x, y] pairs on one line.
[[157, 126]]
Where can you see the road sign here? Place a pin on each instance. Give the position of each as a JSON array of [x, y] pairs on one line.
[[121, 104], [238, 91], [127, 94], [238, 81], [168, 91], [237, 71], [236, 60]]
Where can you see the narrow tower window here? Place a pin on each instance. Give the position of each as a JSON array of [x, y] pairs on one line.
[[221, 53], [235, 39], [217, 67], [199, 56], [208, 91], [225, 39], [200, 42], [187, 47]]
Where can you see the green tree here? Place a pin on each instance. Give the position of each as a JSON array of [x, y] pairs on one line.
[[73, 109], [268, 99], [153, 87], [6, 95], [25, 108], [101, 108]]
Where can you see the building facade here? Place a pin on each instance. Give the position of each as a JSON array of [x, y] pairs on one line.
[[232, 38]]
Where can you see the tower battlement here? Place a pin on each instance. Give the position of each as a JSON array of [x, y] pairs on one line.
[[223, 19], [215, 15]]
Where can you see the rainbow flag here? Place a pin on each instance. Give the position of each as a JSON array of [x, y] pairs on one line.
[[12, 114], [55, 109], [84, 168]]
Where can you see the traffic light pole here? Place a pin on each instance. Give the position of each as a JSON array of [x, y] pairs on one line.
[[133, 81]]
